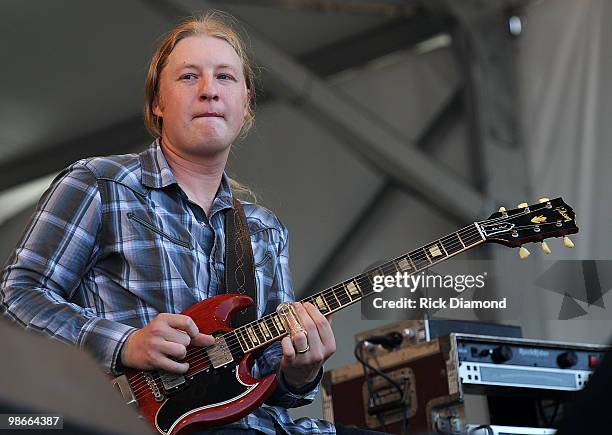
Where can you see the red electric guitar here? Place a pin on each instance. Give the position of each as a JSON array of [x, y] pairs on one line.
[[219, 388]]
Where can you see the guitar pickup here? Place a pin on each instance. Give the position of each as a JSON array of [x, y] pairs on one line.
[[219, 354], [171, 381]]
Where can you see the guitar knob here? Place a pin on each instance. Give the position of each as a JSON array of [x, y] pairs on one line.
[[545, 248], [523, 253], [567, 242], [501, 354], [502, 209], [541, 200], [567, 359], [522, 205]]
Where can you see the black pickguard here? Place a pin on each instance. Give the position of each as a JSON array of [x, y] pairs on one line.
[[204, 390]]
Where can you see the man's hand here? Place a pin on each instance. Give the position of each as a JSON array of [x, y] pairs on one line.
[[301, 368], [162, 343]]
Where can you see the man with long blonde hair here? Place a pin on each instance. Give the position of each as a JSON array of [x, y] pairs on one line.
[[119, 245]]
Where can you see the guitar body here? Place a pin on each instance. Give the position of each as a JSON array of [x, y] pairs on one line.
[[209, 397]]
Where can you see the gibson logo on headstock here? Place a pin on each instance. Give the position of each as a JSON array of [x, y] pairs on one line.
[[492, 229], [538, 219], [563, 212]]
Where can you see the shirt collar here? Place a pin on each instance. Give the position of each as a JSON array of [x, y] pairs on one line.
[[224, 198], [156, 174]]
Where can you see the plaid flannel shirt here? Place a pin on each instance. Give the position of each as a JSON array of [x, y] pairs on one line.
[[115, 241]]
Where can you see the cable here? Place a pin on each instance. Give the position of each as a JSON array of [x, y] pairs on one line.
[[405, 426], [366, 365]]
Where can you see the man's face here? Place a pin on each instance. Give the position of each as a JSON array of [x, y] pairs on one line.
[[202, 96]]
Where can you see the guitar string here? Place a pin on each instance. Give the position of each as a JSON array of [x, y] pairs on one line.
[[416, 256], [470, 230], [234, 342]]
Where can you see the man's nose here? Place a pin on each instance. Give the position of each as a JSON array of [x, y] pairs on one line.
[[208, 88]]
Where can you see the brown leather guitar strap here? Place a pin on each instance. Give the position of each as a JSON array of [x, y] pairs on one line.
[[239, 263]]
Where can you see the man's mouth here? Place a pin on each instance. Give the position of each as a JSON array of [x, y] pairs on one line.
[[208, 115]]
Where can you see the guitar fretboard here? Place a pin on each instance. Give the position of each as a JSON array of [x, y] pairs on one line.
[[270, 328]]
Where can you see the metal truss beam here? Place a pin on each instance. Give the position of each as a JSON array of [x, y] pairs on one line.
[[118, 138], [366, 135]]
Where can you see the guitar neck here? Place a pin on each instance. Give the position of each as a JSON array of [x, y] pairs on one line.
[[270, 328]]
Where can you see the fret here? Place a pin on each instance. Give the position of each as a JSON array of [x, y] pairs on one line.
[[331, 301], [471, 235], [353, 289], [419, 263], [342, 296], [427, 255], [240, 341], [452, 244], [273, 328], [435, 252], [252, 335], [265, 329], [461, 239], [414, 268], [259, 333], [404, 265], [246, 338], [320, 303], [278, 323], [395, 266], [348, 295], [337, 298]]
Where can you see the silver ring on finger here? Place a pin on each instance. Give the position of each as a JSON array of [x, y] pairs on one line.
[[304, 350]]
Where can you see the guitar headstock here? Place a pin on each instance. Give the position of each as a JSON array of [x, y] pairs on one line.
[[531, 223]]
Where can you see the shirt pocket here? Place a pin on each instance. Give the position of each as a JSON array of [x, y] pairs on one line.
[[165, 235], [166, 251]]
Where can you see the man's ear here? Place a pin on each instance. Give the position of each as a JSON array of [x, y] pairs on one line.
[[157, 107]]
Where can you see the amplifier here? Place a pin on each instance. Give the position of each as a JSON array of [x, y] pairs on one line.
[[485, 362]]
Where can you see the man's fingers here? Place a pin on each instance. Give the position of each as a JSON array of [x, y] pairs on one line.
[[184, 328], [203, 340], [176, 336], [182, 322], [288, 350], [323, 327], [175, 350], [169, 365]]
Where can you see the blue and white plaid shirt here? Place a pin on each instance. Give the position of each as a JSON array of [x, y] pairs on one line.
[[115, 241]]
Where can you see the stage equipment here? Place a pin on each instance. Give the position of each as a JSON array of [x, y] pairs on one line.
[[522, 383]]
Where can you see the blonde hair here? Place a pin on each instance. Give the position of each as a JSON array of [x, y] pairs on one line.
[[217, 24]]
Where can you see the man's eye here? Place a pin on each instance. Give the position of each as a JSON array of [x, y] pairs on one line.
[[224, 76], [189, 76]]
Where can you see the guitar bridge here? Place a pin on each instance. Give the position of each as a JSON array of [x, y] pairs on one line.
[[219, 354]]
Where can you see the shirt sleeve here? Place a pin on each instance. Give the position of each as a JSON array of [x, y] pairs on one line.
[[269, 361], [58, 248]]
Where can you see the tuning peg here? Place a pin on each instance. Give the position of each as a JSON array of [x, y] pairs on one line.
[[502, 209], [567, 242], [543, 200], [523, 253], [545, 248], [522, 205]]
